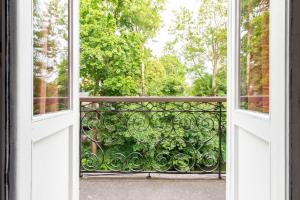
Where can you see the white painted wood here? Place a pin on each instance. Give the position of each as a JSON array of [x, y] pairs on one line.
[[256, 153], [47, 150]]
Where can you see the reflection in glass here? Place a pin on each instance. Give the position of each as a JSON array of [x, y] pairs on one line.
[[50, 56], [254, 55]]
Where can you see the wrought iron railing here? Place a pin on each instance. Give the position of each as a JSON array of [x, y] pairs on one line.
[[153, 135]]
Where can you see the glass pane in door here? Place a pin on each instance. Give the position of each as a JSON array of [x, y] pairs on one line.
[[50, 56], [254, 55]]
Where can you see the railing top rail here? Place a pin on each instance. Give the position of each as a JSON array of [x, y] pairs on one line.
[[152, 99]]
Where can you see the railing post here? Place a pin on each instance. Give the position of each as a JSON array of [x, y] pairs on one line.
[[220, 139]]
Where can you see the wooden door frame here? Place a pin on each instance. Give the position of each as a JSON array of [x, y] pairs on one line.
[[4, 103], [3, 132], [7, 142], [5, 136], [294, 99]]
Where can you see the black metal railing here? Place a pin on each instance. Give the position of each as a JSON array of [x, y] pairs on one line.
[[153, 135]]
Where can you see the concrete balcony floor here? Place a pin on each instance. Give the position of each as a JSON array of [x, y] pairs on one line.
[[158, 187]]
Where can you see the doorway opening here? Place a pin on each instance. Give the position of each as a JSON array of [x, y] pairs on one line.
[[153, 83]]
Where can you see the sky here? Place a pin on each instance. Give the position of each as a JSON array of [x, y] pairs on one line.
[[157, 43]]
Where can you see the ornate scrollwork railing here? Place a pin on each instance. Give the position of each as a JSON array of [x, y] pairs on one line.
[[153, 134]]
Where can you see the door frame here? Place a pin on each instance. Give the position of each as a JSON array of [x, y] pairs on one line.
[[294, 107], [3, 97], [6, 136], [293, 140]]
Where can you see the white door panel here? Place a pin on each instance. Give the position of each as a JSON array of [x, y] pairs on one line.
[[253, 166], [50, 166]]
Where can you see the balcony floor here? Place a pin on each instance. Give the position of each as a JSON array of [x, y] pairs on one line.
[[159, 187]]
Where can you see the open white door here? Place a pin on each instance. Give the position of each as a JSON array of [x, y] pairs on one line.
[[46, 99], [257, 93]]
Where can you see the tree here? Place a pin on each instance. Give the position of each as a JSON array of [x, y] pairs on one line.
[[174, 84], [155, 75], [201, 41], [113, 33], [165, 76]]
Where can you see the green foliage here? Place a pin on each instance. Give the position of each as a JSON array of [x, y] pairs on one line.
[[105, 65], [155, 75], [202, 86], [201, 41], [165, 76], [112, 34], [221, 80], [113, 53]]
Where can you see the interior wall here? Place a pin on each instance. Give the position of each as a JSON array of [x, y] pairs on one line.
[[295, 100]]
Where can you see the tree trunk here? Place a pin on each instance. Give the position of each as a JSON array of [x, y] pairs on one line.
[[214, 79], [143, 78], [94, 144], [96, 87], [142, 73]]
